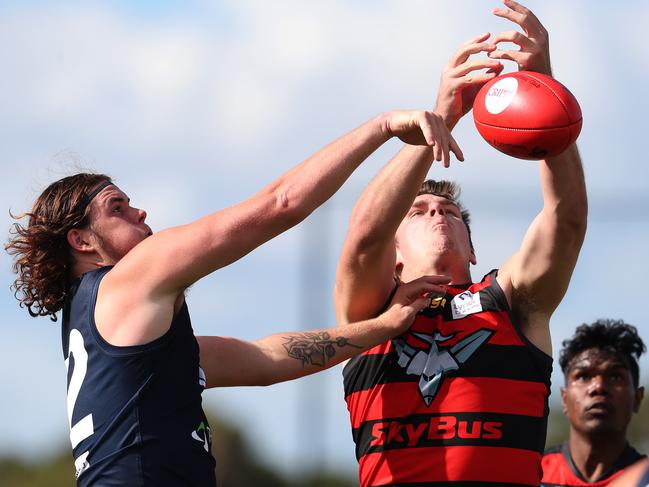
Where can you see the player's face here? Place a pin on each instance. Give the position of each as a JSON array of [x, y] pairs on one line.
[[599, 395], [116, 225], [433, 226]]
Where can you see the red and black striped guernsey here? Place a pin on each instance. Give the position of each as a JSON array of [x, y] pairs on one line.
[[559, 470], [460, 399]]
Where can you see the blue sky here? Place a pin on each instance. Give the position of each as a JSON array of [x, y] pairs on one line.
[[193, 106]]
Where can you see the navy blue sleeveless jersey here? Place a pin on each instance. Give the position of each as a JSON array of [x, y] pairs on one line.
[[135, 412]]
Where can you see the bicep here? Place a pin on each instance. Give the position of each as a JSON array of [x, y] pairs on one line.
[[542, 267], [364, 281], [175, 258]]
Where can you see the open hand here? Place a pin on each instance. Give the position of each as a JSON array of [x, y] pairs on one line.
[[461, 82], [534, 52], [423, 128], [412, 297]]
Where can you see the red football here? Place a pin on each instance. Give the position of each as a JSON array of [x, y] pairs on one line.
[[527, 115]]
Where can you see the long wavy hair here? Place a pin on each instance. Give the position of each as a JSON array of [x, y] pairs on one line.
[[43, 260]]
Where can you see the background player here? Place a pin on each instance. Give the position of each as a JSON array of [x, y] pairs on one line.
[[600, 395]]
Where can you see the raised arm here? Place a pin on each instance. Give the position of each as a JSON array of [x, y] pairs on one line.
[[536, 277], [366, 268], [286, 356]]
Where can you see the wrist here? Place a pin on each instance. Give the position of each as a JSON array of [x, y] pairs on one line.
[[448, 116], [392, 322], [383, 123]]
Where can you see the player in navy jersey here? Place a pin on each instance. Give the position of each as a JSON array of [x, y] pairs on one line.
[[600, 395], [460, 399], [135, 369]]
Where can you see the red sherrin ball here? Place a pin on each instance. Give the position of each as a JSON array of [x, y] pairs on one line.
[[527, 115]]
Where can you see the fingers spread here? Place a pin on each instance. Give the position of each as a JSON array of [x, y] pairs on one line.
[[467, 50], [508, 14], [429, 128], [516, 56], [513, 36], [456, 149], [479, 38], [429, 280], [522, 16], [475, 65]]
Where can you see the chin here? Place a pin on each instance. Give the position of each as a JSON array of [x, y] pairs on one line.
[[601, 428]]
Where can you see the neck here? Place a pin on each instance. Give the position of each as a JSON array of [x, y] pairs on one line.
[[594, 455], [86, 263], [458, 272]]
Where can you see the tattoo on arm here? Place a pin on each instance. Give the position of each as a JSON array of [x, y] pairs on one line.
[[314, 348]]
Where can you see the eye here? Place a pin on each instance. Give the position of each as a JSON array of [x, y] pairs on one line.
[[415, 213], [117, 209], [582, 377]]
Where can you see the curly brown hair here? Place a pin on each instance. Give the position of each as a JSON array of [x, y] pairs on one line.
[[43, 261]]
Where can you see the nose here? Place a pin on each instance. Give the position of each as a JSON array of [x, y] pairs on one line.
[[141, 216], [436, 209], [597, 386]]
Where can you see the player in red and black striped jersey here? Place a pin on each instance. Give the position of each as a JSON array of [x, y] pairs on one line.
[[600, 395], [460, 399]]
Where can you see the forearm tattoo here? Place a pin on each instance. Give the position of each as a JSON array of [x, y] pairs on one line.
[[314, 348]]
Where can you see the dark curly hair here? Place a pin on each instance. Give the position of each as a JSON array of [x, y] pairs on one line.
[[612, 336], [451, 191], [43, 261]]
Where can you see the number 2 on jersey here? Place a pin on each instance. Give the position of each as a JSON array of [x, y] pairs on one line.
[[84, 427]]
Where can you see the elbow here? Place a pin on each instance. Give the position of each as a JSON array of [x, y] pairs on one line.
[[578, 218], [573, 223], [361, 236], [572, 213], [287, 207]]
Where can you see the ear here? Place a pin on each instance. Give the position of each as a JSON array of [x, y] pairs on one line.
[[398, 264], [563, 400], [637, 400], [79, 240]]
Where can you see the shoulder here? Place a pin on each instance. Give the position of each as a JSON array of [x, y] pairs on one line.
[[553, 450], [554, 464]]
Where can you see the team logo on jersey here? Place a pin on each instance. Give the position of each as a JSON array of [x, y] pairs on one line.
[[465, 304], [203, 434], [431, 365]]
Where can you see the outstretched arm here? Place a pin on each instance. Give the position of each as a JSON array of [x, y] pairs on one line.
[[286, 356], [366, 267], [149, 279], [536, 278]]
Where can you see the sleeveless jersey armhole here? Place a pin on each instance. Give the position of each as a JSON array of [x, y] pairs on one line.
[[496, 292], [116, 350]]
